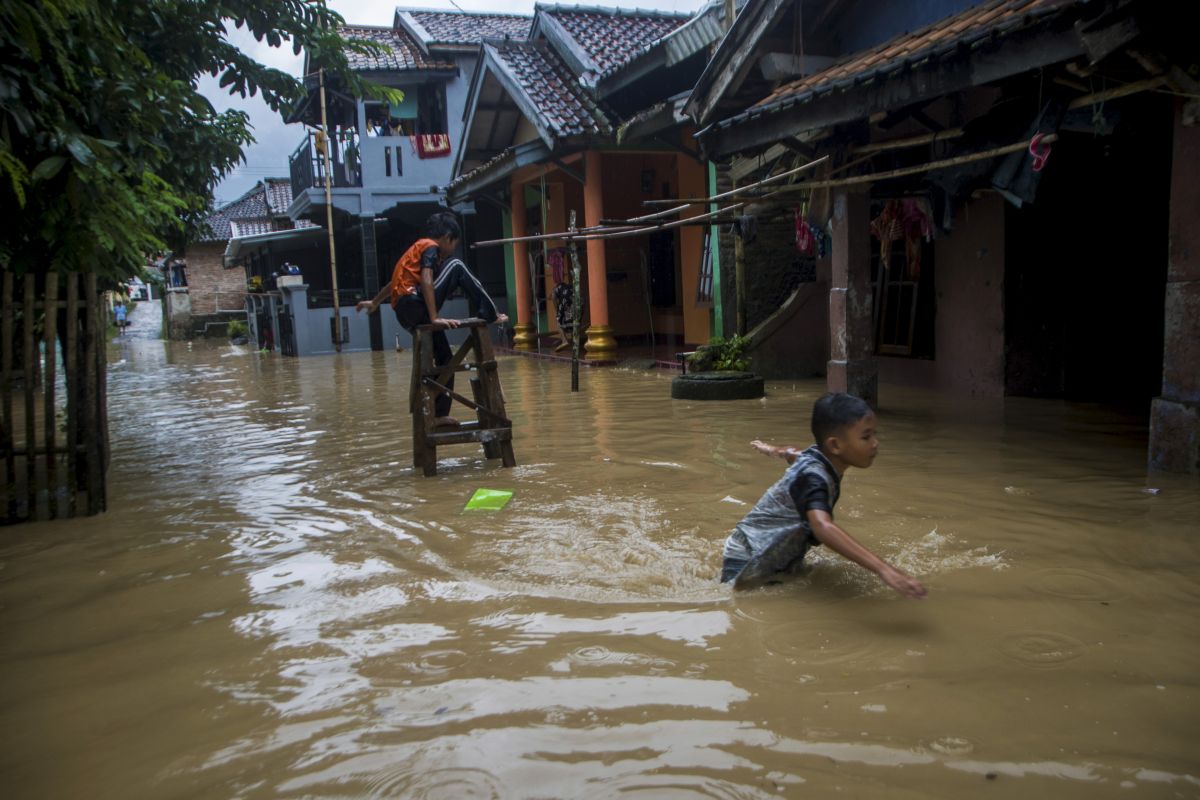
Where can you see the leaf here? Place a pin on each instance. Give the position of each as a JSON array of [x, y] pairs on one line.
[[48, 168], [80, 151]]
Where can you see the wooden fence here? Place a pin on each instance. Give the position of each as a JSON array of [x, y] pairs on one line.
[[53, 420]]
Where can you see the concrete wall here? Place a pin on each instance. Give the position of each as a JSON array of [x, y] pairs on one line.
[[969, 322], [1175, 416]]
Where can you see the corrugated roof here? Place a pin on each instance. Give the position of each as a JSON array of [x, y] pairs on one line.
[[401, 51], [562, 104], [933, 41], [465, 27], [612, 36]]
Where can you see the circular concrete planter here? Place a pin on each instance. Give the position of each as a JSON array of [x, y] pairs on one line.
[[717, 386]]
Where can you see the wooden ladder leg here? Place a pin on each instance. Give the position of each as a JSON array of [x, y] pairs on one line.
[[422, 405], [494, 394]]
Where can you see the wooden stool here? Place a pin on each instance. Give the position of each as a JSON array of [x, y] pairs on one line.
[[492, 428]]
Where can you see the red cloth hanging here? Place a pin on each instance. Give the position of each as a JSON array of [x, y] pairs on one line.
[[432, 145]]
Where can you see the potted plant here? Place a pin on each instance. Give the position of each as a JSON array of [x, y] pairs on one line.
[[718, 371]]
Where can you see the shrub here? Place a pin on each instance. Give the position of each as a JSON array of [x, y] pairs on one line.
[[721, 355]]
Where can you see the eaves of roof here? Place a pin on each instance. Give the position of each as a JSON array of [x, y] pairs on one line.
[[985, 24], [511, 159]]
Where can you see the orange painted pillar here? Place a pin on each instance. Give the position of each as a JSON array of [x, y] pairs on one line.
[[524, 331], [600, 343]]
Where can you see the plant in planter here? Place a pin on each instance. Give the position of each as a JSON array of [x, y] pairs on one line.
[[238, 331], [721, 355], [717, 371]]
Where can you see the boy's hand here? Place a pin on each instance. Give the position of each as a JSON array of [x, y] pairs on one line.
[[443, 322], [763, 447], [365, 305], [904, 584]]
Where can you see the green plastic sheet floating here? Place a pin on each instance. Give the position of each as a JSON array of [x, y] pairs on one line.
[[489, 499]]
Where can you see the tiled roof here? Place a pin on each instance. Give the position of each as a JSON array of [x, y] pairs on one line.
[[612, 36], [257, 211], [279, 195], [466, 28], [942, 38], [401, 53], [249, 227], [563, 106]]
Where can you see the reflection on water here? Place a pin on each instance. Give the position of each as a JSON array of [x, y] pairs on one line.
[[277, 606]]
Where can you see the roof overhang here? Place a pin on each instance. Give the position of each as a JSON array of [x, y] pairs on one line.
[[922, 76], [485, 177], [237, 246]]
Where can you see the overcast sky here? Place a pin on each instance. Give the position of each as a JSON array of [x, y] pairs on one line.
[[268, 156]]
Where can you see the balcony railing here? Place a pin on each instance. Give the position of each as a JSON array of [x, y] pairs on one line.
[[307, 164]]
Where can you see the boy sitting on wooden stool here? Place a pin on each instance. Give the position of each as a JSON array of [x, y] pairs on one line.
[[422, 280]]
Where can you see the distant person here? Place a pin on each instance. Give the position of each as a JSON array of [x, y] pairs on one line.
[[422, 280], [120, 312], [797, 512]]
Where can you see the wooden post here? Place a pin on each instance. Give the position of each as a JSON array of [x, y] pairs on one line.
[[576, 310], [28, 339], [91, 396], [739, 279], [6, 359], [852, 366], [71, 365], [50, 308]]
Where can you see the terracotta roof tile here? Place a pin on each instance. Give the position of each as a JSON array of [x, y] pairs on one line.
[[257, 211], [611, 37], [401, 53], [563, 105], [462, 28]]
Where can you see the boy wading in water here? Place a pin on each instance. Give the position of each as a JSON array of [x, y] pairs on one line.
[[422, 280], [797, 512]]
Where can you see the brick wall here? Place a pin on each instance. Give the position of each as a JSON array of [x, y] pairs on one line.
[[212, 287]]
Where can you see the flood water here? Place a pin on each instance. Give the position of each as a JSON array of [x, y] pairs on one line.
[[277, 606]]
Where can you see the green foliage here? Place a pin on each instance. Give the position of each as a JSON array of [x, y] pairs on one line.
[[721, 355], [107, 149], [237, 328]]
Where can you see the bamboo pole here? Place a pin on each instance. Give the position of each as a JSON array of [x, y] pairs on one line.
[[583, 234], [325, 145], [91, 395], [808, 186], [27, 349], [740, 189], [49, 385], [739, 282], [6, 351], [576, 311], [911, 141], [71, 365]]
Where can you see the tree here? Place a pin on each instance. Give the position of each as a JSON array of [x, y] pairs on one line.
[[108, 151]]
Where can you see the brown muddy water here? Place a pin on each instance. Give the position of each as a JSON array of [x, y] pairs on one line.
[[276, 606]]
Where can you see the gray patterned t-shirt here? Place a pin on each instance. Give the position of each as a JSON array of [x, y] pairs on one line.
[[775, 536]]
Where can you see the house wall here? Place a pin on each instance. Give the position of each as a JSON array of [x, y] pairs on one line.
[[693, 182], [969, 322], [1175, 415]]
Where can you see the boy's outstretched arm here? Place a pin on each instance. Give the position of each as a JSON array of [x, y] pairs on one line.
[[837, 540], [788, 454]]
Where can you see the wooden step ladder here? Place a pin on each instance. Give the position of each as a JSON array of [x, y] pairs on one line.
[[492, 428]]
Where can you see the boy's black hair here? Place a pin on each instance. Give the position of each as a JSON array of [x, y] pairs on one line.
[[441, 224], [833, 411]]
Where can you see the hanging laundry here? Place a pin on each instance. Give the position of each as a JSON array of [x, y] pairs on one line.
[[887, 228], [804, 238], [917, 217], [432, 145]]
